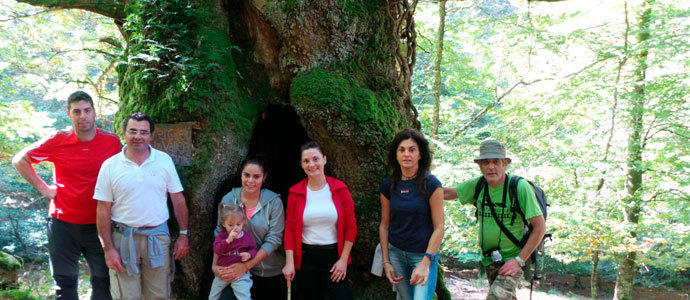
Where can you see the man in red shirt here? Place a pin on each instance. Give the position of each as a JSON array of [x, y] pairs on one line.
[[77, 156]]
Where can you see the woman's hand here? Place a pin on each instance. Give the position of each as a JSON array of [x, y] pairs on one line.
[[339, 270], [222, 272], [390, 273], [420, 274], [289, 272]]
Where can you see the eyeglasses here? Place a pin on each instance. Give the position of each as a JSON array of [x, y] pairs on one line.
[[134, 132]]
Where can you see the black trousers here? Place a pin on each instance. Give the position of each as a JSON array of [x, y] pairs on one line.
[[66, 243], [263, 288], [313, 279]]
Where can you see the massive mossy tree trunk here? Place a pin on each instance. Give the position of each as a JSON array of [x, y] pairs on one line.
[[336, 71]]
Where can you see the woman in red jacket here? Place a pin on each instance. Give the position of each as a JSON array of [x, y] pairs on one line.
[[320, 229]]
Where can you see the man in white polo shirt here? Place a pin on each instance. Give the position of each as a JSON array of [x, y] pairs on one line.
[[132, 216]]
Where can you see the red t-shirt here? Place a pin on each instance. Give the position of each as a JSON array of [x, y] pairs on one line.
[[76, 169]]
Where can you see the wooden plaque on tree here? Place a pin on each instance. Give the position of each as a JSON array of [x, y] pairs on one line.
[[176, 140]]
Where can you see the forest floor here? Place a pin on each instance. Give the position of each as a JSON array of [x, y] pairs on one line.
[[465, 284]]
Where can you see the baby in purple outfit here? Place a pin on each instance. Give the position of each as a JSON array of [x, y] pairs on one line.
[[233, 245]]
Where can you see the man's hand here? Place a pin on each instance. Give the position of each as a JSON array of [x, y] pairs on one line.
[[236, 271], [222, 272], [113, 260], [22, 163], [181, 246], [510, 268], [49, 192]]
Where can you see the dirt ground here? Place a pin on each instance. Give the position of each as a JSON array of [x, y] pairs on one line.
[[464, 284]]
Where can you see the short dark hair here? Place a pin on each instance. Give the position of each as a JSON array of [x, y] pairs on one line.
[[138, 116], [78, 96], [311, 145]]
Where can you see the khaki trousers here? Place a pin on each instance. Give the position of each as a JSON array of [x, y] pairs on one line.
[[150, 283]]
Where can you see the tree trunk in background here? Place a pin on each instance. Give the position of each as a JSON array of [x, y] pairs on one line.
[[262, 76], [627, 265], [437, 67], [594, 282]]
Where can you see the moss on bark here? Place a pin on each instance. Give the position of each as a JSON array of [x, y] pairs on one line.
[[9, 269], [219, 63], [354, 123], [179, 67]]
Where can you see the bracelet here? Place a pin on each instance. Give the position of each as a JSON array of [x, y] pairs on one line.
[[387, 262], [520, 261]]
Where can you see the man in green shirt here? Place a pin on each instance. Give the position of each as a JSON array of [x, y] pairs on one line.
[[493, 162]]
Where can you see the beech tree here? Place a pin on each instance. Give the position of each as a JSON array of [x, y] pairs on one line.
[[260, 76]]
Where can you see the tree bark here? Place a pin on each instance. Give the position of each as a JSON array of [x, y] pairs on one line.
[[632, 205], [437, 67], [594, 282], [337, 72]]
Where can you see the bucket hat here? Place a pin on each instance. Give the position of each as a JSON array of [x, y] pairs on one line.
[[491, 149]]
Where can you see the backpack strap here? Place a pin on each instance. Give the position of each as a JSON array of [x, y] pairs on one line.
[[514, 203], [500, 224], [478, 189]]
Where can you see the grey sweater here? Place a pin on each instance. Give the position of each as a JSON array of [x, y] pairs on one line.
[[266, 227]]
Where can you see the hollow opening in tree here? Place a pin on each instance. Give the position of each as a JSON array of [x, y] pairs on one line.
[[277, 137]]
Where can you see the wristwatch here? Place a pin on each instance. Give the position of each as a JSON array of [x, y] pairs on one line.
[[520, 261], [185, 232], [430, 256]]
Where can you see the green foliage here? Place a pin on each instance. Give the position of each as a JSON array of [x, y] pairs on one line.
[[48, 55], [178, 74], [23, 230], [8, 262], [161, 59], [336, 94], [17, 294], [16, 130], [565, 121]]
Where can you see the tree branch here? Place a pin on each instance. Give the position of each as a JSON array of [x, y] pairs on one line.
[[17, 16], [675, 132], [621, 63], [647, 135], [109, 8], [490, 106], [58, 52], [112, 41], [507, 92]]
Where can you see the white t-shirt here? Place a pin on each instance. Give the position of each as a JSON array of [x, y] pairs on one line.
[[139, 193], [320, 218]]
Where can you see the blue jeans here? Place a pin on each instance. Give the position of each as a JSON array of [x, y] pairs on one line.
[[404, 263], [240, 287]]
